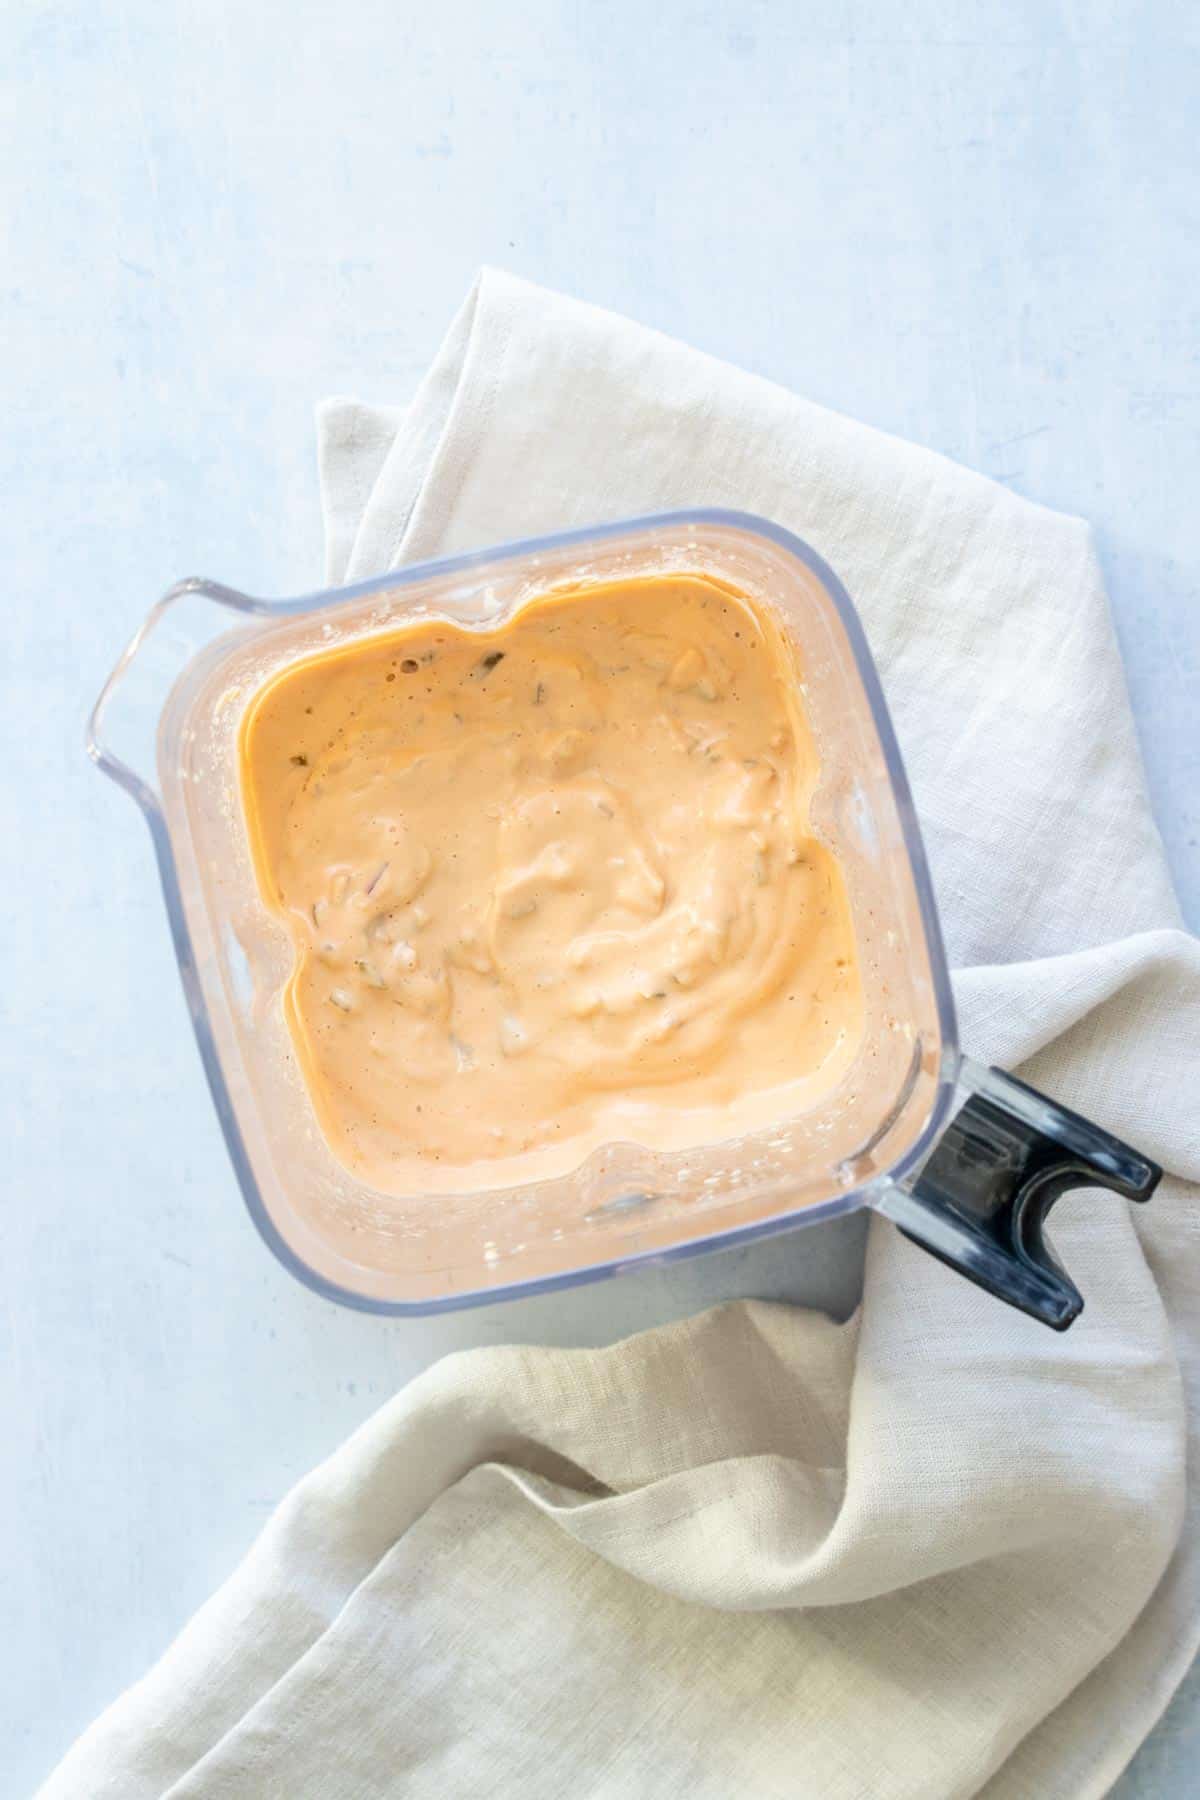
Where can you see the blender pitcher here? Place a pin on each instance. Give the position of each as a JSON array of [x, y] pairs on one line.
[[966, 1161]]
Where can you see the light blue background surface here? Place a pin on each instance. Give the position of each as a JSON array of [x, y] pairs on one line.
[[975, 225]]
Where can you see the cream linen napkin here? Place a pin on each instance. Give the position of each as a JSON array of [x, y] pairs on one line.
[[935, 1551]]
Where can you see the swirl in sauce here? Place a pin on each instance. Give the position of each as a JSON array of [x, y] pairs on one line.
[[552, 885]]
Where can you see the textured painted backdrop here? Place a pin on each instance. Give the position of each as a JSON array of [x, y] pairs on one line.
[[974, 224]]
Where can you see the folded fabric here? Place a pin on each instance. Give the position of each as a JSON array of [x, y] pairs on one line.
[[934, 1551]]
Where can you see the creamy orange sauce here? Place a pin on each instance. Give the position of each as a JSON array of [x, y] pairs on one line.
[[551, 885]]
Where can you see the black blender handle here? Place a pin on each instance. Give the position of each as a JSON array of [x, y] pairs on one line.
[[980, 1200]]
